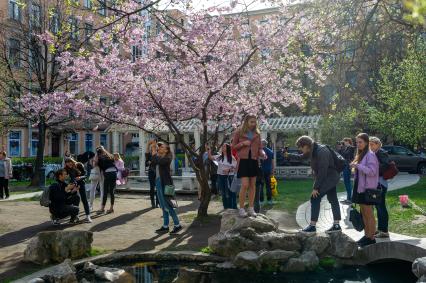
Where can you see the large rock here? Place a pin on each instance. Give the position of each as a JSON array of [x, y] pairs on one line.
[[308, 261], [188, 275], [318, 243], [342, 246], [274, 260], [56, 246], [232, 222], [230, 244], [61, 273], [419, 267], [247, 260]]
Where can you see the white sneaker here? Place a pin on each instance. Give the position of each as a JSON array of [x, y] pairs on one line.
[[88, 219], [242, 212], [251, 212]]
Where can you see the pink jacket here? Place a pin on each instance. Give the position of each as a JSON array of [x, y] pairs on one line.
[[368, 172], [242, 150]]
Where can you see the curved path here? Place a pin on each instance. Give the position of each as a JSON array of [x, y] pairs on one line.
[[398, 246]]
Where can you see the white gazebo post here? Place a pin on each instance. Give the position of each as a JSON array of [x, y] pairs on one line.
[[274, 147], [264, 135], [115, 142], [173, 150], [186, 141], [197, 139], [142, 151]]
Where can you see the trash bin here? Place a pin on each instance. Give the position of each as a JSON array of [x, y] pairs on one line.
[[42, 176]]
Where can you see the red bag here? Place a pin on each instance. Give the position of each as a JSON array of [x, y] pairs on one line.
[[391, 172]]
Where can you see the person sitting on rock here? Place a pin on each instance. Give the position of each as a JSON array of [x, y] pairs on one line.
[[326, 178], [63, 198]]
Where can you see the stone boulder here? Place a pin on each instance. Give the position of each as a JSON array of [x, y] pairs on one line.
[[308, 261], [232, 222], [419, 267], [247, 260], [229, 244], [56, 246], [342, 246], [274, 260], [61, 273], [318, 243], [188, 275]]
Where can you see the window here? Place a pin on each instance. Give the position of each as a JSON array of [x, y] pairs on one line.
[[14, 10], [88, 30], [157, 29], [350, 47], [89, 142], [54, 23], [136, 52], [351, 78], [147, 32], [36, 15], [15, 52], [88, 4], [15, 143], [102, 7], [103, 100], [73, 144], [397, 150], [104, 140], [34, 143], [73, 28]]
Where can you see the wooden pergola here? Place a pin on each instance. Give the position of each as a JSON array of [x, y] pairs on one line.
[[270, 127]]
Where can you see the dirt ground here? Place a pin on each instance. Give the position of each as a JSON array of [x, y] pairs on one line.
[[131, 227]]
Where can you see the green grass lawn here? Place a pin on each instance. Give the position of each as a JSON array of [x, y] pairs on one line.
[[408, 221], [292, 193]]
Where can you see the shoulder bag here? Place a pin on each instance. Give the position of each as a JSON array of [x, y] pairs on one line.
[[391, 172], [355, 217], [169, 190]]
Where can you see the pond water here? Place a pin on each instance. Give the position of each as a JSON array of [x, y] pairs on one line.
[[394, 272]]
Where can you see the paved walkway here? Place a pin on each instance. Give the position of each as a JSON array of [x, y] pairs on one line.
[[22, 196], [326, 216]]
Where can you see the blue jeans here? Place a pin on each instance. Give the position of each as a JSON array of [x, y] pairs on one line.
[[347, 180], [229, 199], [382, 212], [167, 209]]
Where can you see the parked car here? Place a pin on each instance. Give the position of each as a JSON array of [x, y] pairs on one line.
[[406, 160], [290, 160], [25, 171]]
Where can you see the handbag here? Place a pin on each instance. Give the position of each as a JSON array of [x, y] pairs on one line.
[[236, 185], [373, 196], [169, 190], [355, 217], [391, 172]]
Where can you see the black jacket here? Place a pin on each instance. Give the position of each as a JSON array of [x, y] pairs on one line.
[[58, 197], [383, 158], [325, 174], [164, 168], [77, 172], [348, 152], [105, 162]]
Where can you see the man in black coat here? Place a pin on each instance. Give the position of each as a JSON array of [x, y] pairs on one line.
[[63, 199], [348, 152], [326, 178]]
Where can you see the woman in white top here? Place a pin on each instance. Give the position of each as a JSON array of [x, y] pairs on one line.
[[96, 179], [226, 165]]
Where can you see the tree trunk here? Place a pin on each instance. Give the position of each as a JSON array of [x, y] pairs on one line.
[[203, 181], [35, 181]]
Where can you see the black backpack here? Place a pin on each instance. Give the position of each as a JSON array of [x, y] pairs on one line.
[[339, 161]]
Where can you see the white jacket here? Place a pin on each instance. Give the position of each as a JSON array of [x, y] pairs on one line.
[[8, 171]]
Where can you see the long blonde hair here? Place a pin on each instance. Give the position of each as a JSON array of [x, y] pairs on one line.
[[245, 127]]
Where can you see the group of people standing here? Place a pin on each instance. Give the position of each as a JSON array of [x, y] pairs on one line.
[[103, 170], [368, 162]]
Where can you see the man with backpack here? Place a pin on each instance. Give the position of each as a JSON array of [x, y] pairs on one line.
[[326, 166]]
